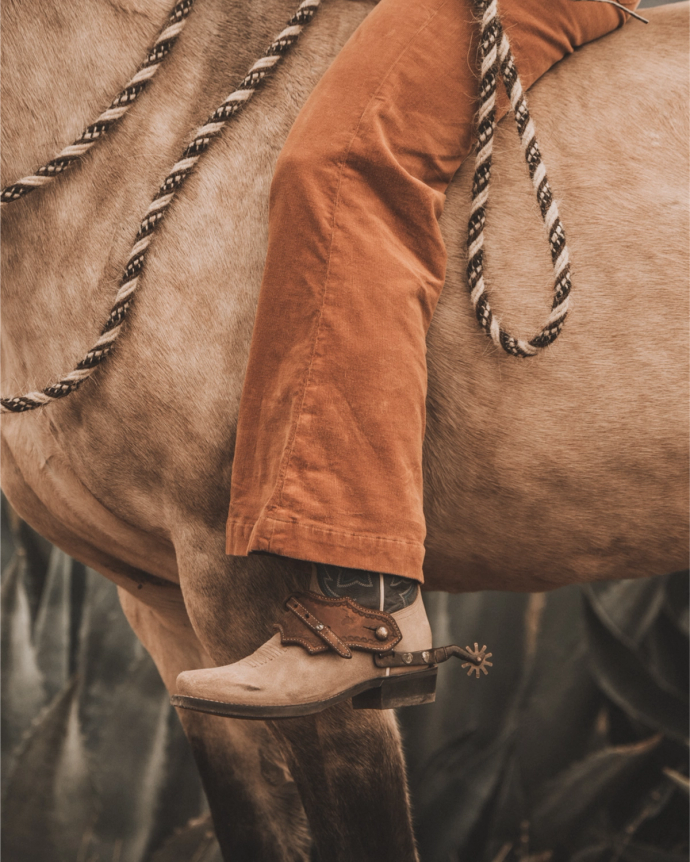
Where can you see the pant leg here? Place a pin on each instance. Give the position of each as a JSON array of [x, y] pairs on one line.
[[328, 458]]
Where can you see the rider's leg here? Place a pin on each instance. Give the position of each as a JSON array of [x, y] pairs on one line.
[[328, 460]]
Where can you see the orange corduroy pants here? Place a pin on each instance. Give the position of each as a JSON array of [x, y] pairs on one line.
[[328, 455]]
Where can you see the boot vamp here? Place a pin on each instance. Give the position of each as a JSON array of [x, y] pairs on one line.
[[277, 675]]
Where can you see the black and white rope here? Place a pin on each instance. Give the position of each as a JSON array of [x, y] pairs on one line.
[[157, 210], [496, 59], [118, 107]]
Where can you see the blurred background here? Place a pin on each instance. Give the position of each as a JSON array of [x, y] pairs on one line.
[[573, 749]]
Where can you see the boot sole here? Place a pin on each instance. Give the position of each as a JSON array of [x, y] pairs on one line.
[[384, 692]]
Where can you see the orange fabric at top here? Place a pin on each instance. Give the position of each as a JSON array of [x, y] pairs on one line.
[[328, 459]]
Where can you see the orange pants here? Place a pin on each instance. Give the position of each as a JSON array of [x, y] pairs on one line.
[[328, 458]]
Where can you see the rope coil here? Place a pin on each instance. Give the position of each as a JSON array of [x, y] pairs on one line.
[[496, 60], [158, 208], [116, 110]]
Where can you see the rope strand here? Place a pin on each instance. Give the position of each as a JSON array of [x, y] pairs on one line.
[[118, 108], [158, 209], [496, 59]]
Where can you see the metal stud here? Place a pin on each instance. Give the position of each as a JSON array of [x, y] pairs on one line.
[[407, 657], [381, 633]]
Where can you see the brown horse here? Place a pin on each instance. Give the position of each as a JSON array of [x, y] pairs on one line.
[[569, 467]]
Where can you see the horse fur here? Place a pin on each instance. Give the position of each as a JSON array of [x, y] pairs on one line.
[[568, 467]]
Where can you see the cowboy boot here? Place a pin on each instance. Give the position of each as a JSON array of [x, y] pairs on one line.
[[354, 634]]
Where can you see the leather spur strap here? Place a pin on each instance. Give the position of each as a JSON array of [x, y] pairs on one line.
[[319, 623]]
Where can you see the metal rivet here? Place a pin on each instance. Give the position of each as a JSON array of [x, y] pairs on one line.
[[426, 656], [319, 627], [407, 657], [381, 633]]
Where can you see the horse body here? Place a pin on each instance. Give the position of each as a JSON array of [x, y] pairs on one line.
[[564, 468]]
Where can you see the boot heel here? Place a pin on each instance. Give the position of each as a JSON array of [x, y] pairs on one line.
[[410, 689]]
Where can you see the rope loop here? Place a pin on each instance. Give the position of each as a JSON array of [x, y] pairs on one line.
[[496, 59], [158, 208]]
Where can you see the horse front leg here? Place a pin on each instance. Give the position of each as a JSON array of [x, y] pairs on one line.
[[347, 764], [349, 768], [256, 809]]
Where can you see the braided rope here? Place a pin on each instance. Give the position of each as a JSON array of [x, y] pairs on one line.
[[118, 107], [157, 210], [496, 58]]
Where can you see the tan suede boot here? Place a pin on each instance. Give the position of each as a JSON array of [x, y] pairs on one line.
[[326, 650]]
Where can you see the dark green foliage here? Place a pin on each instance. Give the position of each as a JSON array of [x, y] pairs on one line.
[[49, 800], [574, 748], [23, 687], [95, 764]]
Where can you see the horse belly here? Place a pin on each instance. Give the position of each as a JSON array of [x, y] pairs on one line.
[[44, 490]]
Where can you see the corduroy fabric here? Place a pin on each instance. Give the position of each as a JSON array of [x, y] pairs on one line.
[[328, 457]]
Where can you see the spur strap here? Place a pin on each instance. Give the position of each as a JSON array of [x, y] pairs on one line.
[[320, 629], [319, 623]]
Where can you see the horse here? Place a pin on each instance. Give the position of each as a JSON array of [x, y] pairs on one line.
[[566, 468]]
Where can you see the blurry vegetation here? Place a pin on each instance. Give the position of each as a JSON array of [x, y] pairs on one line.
[[573, 749], [95, 766]]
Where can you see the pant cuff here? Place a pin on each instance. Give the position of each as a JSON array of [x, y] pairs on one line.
[[319, 544]]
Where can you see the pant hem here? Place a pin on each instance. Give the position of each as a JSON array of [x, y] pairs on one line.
[[319, 544]]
